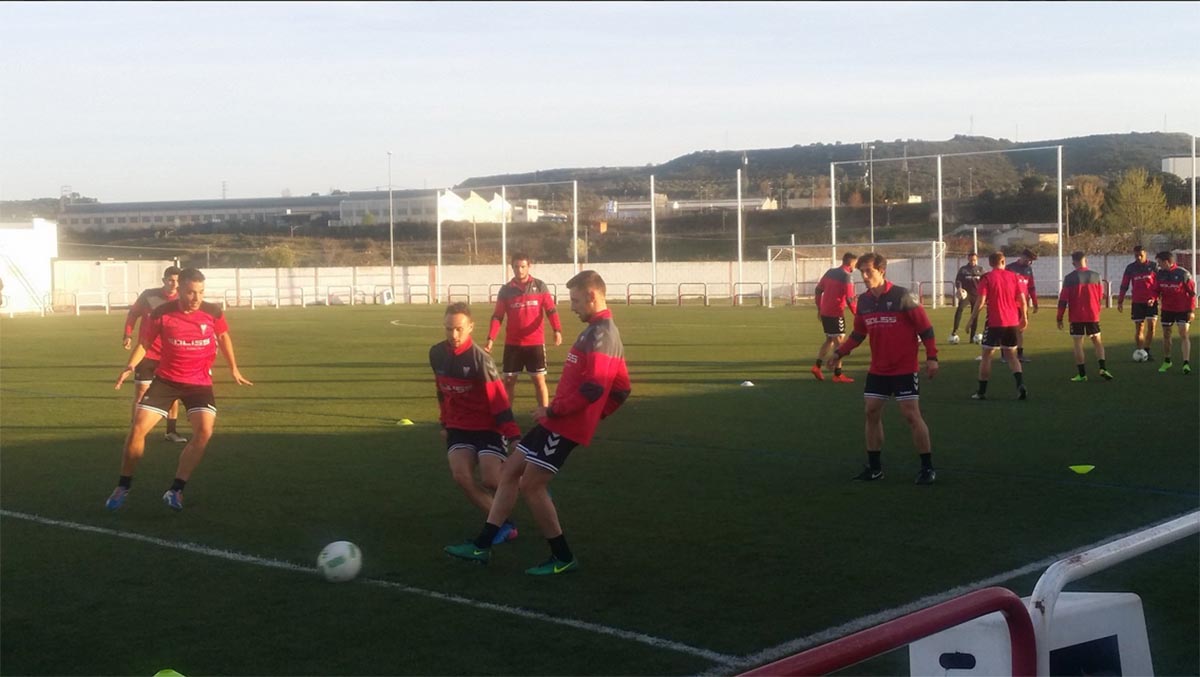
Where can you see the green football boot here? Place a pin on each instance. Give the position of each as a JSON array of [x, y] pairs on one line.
[[1078, 378], [553, 566], [1166, 366], [469, 552], [1187, 368], [1106, 374]]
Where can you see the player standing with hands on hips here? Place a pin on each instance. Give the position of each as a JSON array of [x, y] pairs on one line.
[[594, 384], [895, 321], [191, 331]]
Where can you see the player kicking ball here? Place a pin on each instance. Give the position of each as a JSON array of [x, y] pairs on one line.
[[895, 321]]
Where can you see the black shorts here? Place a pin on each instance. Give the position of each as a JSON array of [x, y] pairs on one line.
[[1170, 317], [834, 326], [144, 371], [162, 394], [524, 358], [479, 441], [545, 449], [902, 387], [971, 300], [1143, 311], [1000, 337], [1085, 329]]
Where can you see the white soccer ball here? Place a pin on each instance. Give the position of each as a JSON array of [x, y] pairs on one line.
[[978, 338], [1140, 355], [339, 561], [954, 339]]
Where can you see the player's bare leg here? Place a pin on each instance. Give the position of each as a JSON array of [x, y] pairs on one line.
[[510, 386], [873, 409], [144, 421], [911, 409], [1139, 335], [139, 390], [534, 483], [540, 389], [462, 468], [831, 343], [1077, 347], [1185, 342], [1166, 343], [505, 498], [202, 429], [1148, 341]]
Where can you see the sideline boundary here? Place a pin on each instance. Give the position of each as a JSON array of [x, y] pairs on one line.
[[232, 556]]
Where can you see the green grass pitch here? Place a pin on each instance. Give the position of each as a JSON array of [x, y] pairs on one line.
[[716, 517]]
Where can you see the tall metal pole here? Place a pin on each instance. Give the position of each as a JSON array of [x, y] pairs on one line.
[[832, 217], [936, 273], [575, 231], [653, 247], [871, 188], [504, 233], [1060, 220], [1194, 266], [739, 224], [391, 229]]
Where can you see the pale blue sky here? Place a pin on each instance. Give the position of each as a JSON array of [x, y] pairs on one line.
[[162, 101]]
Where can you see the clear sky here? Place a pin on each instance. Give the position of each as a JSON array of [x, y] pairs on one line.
[[163, 101]]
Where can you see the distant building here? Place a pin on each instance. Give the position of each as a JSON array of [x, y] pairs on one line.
[[1179, 165], [1029, 233], [26, 251], [753, 204]]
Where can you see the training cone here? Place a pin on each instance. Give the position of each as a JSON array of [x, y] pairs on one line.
[[167, 673], [747, 384], [1082, 469], [404, 421]]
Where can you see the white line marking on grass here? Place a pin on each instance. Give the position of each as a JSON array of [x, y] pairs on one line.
[[398, 323], [795, 646], [195, 548]]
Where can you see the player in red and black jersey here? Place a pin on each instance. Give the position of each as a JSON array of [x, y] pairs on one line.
[[1023, 267], [1081, 292], [191, 332], [477, 421], [895, 321], [594, 384], [1177, 293], [834, 292], [1001, 292], [1140, 278], [143, 374], [523, 301]]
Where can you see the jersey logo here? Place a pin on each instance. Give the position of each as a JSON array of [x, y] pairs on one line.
[[572, 358], [466, 371], [203, 327]]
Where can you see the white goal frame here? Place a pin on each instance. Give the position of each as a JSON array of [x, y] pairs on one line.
[[936, 250]]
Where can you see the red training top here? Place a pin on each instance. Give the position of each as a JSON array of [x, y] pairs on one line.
[[523, 304], [594, 381], [894, 320], [146, 302], [1025, 272], [189, 341], [835, 291], [470, 393], [1082, 291], [1003, 291], [1141, 277], [1176, 288]]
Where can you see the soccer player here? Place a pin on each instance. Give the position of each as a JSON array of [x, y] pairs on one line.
[[1001, 293], [1144, 312], [191, 332], [966, 285], [1023, 267], [894, 320], [523, 300], [594, 384], [143, 374], [1081, 292], [835, 291], [477, 421], [1177, 293]]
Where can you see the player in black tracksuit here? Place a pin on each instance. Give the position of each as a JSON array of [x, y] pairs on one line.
[[968, 281]]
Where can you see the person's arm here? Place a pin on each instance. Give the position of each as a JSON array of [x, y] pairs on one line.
[[924, 327], [1126, 280], [552, 315], [494, 326], [135, 311], [851, 299], [620, 391], [817, 295], [853, 341], [1063, 302], [136, 356], [498, 404], [225, 343], [1032, 290], [981, 291]]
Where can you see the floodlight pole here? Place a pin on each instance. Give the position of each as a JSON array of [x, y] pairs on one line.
[[437, 278], [832, 216], [871, 188], [739, 226], [1060, 219], [936, 273], [391, 229], [653, 247], [504, 232], [575, 231], [1193, 203]]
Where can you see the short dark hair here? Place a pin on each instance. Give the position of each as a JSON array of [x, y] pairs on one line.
[[879, 261], [970, 254], [1076, 257], [519, 256], [1028, 254], [190, 275], [459, 308], [848, 257], [587, 280], [995, 258], [1165, 257], [1138, 249], [171, 270]]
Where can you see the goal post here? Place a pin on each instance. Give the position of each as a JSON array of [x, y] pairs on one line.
[[793, 271]]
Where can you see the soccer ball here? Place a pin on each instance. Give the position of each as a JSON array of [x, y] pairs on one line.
[[1140, 355], [954, 339], [978, 338], [339, 561]]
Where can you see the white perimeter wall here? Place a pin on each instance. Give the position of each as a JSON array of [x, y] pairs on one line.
[[26, 250]]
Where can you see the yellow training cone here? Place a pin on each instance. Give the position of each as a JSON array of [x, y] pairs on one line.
[[167, 673], [404, 421], [1082, 469]]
